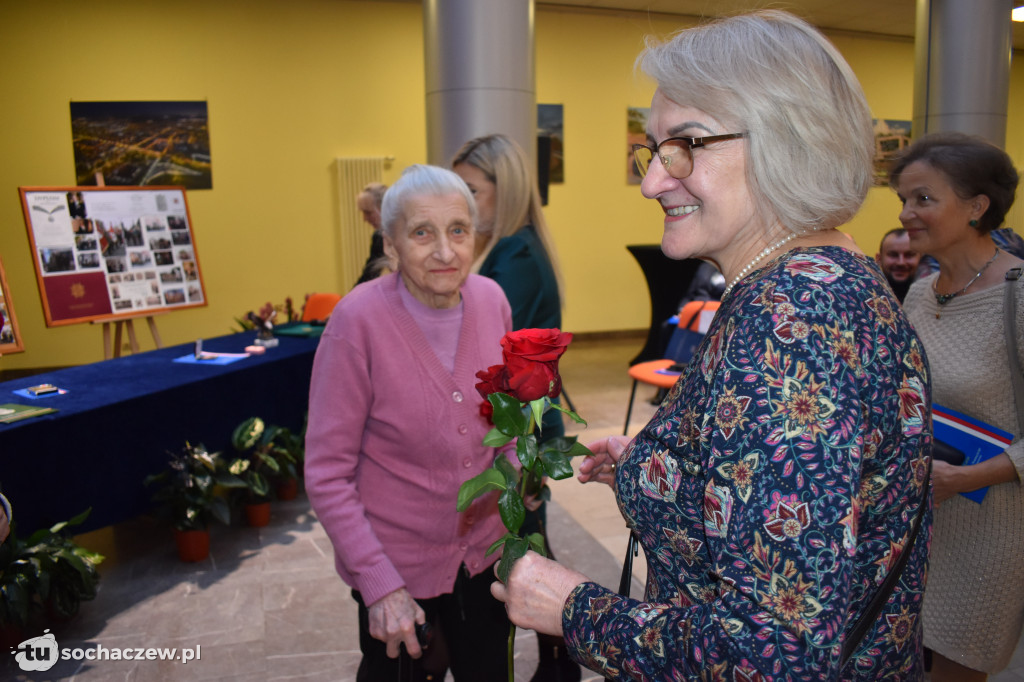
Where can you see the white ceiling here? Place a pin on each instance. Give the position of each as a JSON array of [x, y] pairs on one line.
[[887, 17]]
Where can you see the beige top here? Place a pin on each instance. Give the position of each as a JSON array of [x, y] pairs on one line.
[[974, 600]]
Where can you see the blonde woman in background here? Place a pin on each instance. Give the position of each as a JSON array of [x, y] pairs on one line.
[[515, 249]]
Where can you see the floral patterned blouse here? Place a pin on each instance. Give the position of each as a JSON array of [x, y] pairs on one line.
[[774, 489]]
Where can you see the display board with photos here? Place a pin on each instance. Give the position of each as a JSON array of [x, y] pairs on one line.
[[104, 253], [10, 337]]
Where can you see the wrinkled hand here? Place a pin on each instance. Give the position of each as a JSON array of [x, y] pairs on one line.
[[393, 619], [536, 592], [944, 481], [601, 465]]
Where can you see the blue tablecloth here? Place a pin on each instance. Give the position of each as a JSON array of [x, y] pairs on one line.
[[120, 418]]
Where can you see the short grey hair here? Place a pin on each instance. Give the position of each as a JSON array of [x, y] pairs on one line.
[[420, 180], [773, 76], [375, 190]]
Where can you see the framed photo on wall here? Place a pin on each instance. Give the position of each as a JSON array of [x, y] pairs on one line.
[[10, 337], [104, 253]]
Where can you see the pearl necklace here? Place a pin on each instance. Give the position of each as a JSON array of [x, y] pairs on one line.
[[757, 259], [943, 299]]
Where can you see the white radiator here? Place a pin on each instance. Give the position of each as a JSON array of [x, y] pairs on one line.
[[354, 173]]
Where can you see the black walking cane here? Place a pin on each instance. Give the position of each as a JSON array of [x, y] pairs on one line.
[[626, 581], [424, 634]]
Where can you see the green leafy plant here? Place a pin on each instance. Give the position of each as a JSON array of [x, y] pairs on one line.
[[265, 452], [518, 393], [187, 492], [46, 569]]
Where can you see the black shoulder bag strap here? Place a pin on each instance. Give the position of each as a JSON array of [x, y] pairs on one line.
[[870, 615], [1009, 322]]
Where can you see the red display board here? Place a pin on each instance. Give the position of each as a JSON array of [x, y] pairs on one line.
[[105, 253], [10, 337]]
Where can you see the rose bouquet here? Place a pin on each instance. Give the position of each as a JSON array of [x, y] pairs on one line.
[[517, 395]]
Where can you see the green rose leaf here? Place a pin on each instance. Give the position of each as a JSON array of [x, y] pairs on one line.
[[498, 543], [526, 450], [512, 509], [537, 543], [562, 444], [556, 464], [572, 415], [515, 549], [537, 407], [578, 449], [488, 480], [508, 414], [508, 469], [495, 438]]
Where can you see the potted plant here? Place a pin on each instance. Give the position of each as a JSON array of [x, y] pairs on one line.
[[265, 452], [48, 570], [291, 460], [187, 495]]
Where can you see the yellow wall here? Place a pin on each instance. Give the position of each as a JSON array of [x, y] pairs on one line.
[[292, 85]]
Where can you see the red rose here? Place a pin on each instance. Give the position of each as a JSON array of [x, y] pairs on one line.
[[532, 380], [538, 345], [531, 362], [492, 380], [487, 411]]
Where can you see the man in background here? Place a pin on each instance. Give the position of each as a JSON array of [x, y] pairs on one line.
[[898, 261], [369, 201]]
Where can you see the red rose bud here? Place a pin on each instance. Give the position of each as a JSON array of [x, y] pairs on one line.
[[532, 380], [487, 411], [492, 380], [538, 345]]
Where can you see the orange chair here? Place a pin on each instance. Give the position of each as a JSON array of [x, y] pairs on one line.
[[318, 307], [685, 338]]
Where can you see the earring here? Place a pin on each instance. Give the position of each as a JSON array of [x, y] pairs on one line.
[[972, 223]]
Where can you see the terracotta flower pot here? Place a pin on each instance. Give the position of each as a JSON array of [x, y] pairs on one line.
[[258, 515], [193, 545], [288, 489]]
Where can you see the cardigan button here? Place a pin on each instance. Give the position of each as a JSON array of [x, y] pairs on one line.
[[457, 396], [467, 462], [463, 429]]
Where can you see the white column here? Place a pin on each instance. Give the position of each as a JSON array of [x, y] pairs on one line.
[[479, 73], [962, 67]]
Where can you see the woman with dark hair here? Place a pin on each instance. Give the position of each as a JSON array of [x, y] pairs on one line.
[[781, 489], [956, 189]]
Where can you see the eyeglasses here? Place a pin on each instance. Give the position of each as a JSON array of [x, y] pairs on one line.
[[675, 153]]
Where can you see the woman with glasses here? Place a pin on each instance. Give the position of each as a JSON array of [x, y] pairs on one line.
[[780, 493]]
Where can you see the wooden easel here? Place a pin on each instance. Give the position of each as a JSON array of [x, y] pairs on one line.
[[133, 342]]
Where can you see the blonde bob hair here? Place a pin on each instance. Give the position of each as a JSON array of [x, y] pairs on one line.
[[517, 201], [773, 76]]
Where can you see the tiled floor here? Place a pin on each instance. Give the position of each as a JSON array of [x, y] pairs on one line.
[[268, 605]]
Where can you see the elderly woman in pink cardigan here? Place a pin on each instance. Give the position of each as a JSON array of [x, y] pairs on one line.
[[394, 430]]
